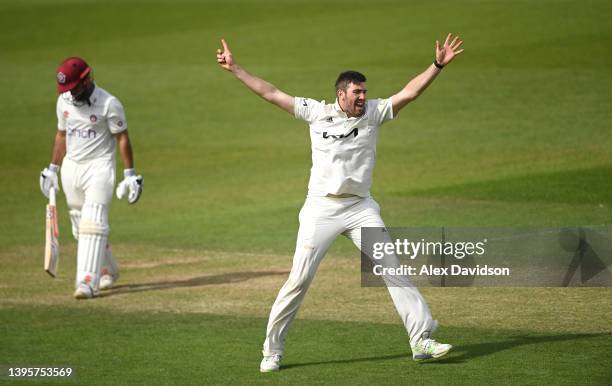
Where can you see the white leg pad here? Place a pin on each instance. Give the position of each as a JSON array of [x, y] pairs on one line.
[[109, 264], [93, 239], [75, 219]]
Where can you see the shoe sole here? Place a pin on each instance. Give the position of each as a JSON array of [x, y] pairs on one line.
[[79, 295], [432, 357], [110, 285], [107, 287], [82, 296]]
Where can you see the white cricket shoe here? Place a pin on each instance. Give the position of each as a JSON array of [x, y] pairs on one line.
[[270, 363], [108, 281], [429, 349], [83, 292]]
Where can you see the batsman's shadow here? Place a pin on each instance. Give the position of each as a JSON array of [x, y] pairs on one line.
[[464, 352], [226, 278]]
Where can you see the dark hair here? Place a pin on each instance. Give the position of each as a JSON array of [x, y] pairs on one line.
[[347, 77]]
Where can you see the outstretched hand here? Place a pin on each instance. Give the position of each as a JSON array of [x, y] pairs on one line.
[[224, 57], [448, 51]]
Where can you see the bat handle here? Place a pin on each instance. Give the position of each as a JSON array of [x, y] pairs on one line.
[[52, 196]]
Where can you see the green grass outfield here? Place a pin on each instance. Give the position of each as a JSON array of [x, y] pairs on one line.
[[516, 132]]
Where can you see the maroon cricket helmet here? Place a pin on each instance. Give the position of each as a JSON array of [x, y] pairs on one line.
[[70, 73]]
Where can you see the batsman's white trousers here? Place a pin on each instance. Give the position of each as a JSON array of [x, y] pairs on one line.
[[322, 219], [90, 181], [88, 187]]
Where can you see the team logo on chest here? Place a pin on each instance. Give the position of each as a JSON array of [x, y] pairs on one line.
[[61, 78], [93, 118], [353, 132]]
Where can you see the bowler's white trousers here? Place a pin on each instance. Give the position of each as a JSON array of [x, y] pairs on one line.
[[322, 219]]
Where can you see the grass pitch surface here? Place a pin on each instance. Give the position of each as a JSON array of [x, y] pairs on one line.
[[183, 317], [516, 132]]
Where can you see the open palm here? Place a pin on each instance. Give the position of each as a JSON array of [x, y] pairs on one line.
[[449, 50]]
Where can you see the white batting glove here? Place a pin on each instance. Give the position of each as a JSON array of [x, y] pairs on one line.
[[48, 179], [131, 184]]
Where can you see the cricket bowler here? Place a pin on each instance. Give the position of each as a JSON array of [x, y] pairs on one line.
[[343, 139], [91, 124]]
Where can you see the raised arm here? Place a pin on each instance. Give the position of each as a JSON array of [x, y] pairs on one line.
[[259, 86], [444, 55]]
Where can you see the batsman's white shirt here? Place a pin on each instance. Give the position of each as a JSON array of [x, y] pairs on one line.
[[90, 129], [343, 148]]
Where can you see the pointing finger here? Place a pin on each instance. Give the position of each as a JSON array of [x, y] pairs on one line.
[[225, 47]]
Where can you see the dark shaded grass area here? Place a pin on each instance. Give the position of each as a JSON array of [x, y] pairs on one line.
[[591, 186]]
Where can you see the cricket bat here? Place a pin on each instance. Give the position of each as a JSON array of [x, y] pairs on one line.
[[51, 237]]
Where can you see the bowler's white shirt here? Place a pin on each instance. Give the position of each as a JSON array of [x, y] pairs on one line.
[[343, 148], [90, 129]]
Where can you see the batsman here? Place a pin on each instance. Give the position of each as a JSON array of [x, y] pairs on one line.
[[91, 124], [343, 139]]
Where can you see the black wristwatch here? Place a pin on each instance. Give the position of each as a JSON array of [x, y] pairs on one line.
[[438, 64]]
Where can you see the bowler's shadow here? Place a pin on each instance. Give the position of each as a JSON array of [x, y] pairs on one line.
[[464, 352], [199, 281]]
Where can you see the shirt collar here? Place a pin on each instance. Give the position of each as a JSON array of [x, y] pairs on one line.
[[92, 98], [94, 94], [339, 110]]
